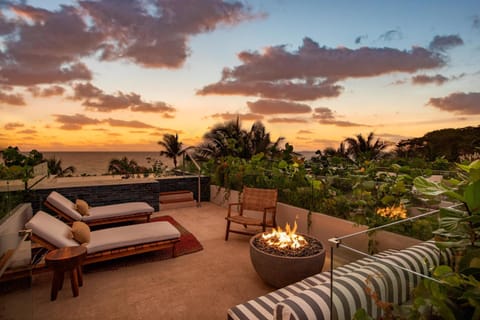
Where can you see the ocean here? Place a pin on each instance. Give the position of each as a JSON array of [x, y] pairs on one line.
[[96, 163]]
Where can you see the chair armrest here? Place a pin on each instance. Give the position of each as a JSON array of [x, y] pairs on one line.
[[230, 205], [273, 211]]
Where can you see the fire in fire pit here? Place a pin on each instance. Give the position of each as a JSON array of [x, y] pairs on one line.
[[288, 243]]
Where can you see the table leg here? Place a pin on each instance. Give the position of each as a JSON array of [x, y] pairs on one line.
[[80, 276], [56, 284], [74, 281]]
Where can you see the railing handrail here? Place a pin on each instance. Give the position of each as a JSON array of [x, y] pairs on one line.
[[195, 163]]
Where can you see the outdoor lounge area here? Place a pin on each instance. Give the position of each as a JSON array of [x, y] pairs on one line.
[[201, 285], [152, 287]]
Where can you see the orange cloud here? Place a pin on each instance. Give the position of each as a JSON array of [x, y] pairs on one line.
[[46, 92], [14, 99], [232, 116], [13, 125], [95, 99], [269, 106], [287, 120], [458, 103], [305, 132], [326, 116]]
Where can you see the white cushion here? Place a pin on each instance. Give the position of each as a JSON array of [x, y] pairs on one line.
[[51, 230], [118, 237], [64, 205], [116, 210]]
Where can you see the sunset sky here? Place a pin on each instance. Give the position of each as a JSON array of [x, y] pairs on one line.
[[115, 75]]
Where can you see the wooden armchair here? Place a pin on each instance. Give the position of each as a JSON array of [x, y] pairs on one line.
[[262, 201]]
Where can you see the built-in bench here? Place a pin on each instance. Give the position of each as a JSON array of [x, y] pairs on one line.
[[310, 298]]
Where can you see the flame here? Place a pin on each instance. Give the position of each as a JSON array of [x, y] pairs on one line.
[[287, 239]]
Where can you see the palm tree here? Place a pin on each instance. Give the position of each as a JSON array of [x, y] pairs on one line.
[[55, 167], [173, 147], [360, 148], [225, 139], [123, 166]]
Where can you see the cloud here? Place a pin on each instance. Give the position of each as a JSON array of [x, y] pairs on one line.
[[127, 123], [267, 106], [438, 79], [96, 100], [43, 46], [13, 99], [75, 122], [304, 132], [27, 131], [476, 22], [287, 120], [232, 116], [13, 125], [443, 43], [458, 103], [311, 72], [326, 116], [359, 39], [282, 89], [391, 35], [158, 37], [46, 92], [391, 137]]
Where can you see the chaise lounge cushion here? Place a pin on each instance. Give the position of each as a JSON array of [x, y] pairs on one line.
[[64, 204], [57, 233], [100, 212], [51, 230]]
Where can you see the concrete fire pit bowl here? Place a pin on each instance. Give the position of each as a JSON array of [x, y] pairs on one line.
[[280, 271]]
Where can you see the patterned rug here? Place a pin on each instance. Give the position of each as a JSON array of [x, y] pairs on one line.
[[188, 244]]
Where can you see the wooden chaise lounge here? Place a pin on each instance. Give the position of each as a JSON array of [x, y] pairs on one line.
[[105, 244], [127, 211]]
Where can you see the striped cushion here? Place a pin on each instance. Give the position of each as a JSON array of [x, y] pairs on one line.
[[262, 307], [382, 276]]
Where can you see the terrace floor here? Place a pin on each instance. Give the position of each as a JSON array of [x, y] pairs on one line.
[[202, 285]]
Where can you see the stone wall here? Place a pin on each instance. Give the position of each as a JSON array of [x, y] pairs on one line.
[[98, 195]]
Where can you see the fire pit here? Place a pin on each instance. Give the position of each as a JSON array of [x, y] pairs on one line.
[[284, 257]]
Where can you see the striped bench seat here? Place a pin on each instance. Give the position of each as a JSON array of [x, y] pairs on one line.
[[310, 298], [262, 307]]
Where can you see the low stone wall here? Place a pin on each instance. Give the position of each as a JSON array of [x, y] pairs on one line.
[[148, 191]]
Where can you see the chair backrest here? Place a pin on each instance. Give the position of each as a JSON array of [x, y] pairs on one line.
[[259, 199]]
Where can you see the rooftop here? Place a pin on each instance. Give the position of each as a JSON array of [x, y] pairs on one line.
[[202, 285]]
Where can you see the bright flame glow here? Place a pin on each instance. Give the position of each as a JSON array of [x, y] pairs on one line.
[[287, 239]]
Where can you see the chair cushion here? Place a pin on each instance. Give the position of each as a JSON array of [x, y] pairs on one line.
[[51, 230], [81, 232], [64, 205], [82, 207]]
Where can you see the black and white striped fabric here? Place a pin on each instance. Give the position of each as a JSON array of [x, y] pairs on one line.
[[263, 307], [310, 298], [349, 291]]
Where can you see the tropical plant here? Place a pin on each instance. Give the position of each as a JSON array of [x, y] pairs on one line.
[[173, 147], [360, 149], [457, 296], [55, 168], [123, 166]]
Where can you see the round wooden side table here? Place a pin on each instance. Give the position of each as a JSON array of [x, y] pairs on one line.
[[62, 260]]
